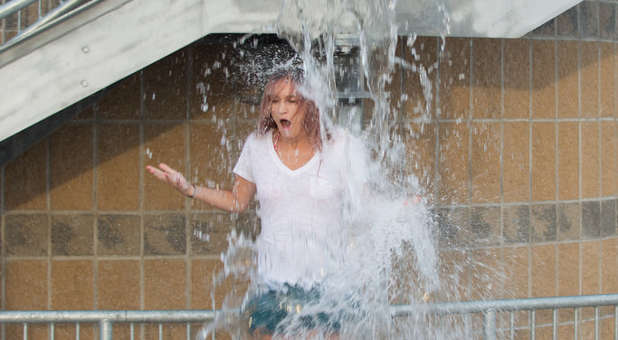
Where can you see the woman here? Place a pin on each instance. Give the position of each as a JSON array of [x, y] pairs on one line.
[[302, 176]]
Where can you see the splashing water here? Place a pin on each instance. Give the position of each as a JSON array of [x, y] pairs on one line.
[[390, 255]]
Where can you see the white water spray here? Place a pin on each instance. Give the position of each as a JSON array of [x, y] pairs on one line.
[[390, 254]]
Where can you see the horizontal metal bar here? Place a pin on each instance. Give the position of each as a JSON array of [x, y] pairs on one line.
[[508, 304], [137, 316], [13, 6], [464, 307]]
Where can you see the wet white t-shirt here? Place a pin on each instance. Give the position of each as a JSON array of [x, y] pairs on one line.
[[301, 210]]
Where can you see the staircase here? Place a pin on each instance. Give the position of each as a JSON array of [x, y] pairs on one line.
[[80, 47]]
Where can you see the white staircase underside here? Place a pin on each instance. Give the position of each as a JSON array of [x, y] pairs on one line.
[[115, 38]]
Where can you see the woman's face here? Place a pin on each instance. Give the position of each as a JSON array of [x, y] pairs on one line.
[[286, 109]]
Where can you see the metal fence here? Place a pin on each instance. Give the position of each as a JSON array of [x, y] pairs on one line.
[[20, 19], [488, 309]]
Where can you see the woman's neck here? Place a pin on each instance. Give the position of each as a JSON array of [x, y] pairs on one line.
[[296, 142]]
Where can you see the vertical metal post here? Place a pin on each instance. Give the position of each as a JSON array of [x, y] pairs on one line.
[[489, 324], [512, 325], [616, 323], [576, 324], [105, 330], [533, 324], [554, 320], [596, 323]]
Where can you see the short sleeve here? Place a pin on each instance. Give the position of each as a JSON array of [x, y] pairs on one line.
[[243, 166]]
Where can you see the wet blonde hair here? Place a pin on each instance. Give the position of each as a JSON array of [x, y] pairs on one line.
[[311, 123]]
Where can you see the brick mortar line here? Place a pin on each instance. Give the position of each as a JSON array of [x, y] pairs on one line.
[[149, 121], [600, 160], [501, 174], [556, 134], [142, 108], [214, 257], [530, 165], [95, 203], [3, 246], [513, 120], [556, 165], [110, 212], [579, 159], [49, 223], [187, 202], [569, 38], [471, 108], [530, 244], [216, 212]]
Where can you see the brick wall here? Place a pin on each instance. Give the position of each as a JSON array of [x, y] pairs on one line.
[[518, 154]]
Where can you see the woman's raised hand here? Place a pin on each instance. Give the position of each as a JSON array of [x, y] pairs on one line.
[[172, 177]]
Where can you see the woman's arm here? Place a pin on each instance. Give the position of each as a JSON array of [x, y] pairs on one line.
[[236, 200]]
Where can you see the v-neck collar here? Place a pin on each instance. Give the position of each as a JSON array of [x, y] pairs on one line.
[[280, 163]]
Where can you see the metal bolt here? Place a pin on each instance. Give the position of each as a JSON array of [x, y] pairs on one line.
[[85, 49], [84, 83]]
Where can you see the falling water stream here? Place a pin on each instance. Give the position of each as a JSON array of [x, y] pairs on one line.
[[349, 57]]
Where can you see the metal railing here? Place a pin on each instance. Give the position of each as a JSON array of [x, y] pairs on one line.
[[18, 22], [489, 309]]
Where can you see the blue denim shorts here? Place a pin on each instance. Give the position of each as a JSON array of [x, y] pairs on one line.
[[268, 310]]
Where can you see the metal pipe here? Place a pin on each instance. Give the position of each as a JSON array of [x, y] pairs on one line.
[[596, 323], [105, 330], [533, 324], [13, 6], [616, 323], [489, 324], [507, 304], [576, 324], [41, 23], [554, 321]]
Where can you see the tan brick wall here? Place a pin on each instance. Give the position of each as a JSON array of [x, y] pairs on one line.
[[518, 156]]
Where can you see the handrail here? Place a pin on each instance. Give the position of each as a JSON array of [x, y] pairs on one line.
[[13, 6], [63, 9], [465, 307], [489, 308], [43, 22]]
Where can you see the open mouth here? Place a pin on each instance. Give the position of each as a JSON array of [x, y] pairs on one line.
[[285, 123]]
